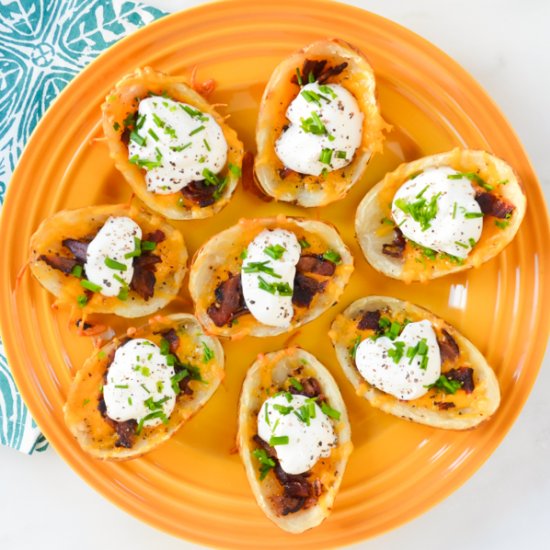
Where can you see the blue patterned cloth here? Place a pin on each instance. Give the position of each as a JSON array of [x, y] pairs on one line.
[[43, 45]]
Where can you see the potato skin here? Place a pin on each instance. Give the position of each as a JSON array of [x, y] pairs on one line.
[[84, 420], [122, 101], [277, 365], [81, 223], [477, 409], [358, 78], [223, 249], [373, 209]]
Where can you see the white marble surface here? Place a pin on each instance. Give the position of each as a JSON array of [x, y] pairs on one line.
[[506, 46]]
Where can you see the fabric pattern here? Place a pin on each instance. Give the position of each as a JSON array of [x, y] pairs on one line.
[[43, 45]]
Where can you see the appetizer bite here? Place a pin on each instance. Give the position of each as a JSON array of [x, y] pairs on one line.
[[293, 438], [137, 391], [118, 259], [268, 276], [407, 362], [318, 125], [173, 148], [440, 214]]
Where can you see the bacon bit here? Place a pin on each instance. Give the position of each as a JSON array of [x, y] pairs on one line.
[[249, 180], [444, 405], [397, 246], [369, 321], [465, 375], [492, 205], [204, 88]]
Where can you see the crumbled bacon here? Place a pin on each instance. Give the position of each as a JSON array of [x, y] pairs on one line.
[[315, 263], [200, 193], [448, 348], [369, 321], [492, 205], [78, 248], [61, 263], [305, 289], [396, 248], [464, 375], [229, 301], [143, 281]]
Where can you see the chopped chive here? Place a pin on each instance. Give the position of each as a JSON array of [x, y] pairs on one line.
[[266, 415], [387, 221], [326, 156], [332, 256], [501, 224], [123, 294], [341, 154], [207, 354], [207, 145], [282, 409], [260, 267], [190, 111], [122, 386], [463, 245], [275, 251], [303, 243], [113, 264], [296, 384], [244, 254], [145, 388], [130, 401], [278, 440], [136, 138], [77, 271], [88, 285], [235, 170], [472, 242], [454, 210], [446, 384], [85, 402], [178, 148], [148, 245], [469, 215], [419, 195], [152, 133], [197, 130], [158, 121], [299, 77], [140, 122], [329, 411], [137, 249], [151, 416], [472, 176], [116, 126], [282, 289]]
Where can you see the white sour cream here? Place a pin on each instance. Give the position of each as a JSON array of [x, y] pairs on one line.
[[405, 379], [184, 140], [457, 225], [137, 378], [306, 444], [271, 307], [340, 115], [113, 241]]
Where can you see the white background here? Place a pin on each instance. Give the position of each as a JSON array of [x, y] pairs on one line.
[[505, 45]]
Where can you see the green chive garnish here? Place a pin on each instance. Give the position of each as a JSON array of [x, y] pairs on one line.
[[113, 264]]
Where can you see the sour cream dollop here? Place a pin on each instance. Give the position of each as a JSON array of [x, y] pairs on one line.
[[106, 262], [448, 218], [267, 276], [138, 384], [306, 444], [325, 130], [408, 377], [176, 143]]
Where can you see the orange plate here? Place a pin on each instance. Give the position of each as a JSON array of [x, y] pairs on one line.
[[196, 481]]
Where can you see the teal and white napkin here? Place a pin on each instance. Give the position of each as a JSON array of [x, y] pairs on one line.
[[43, 45]]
